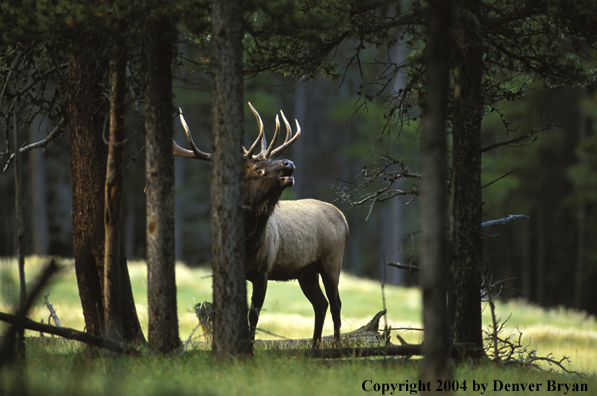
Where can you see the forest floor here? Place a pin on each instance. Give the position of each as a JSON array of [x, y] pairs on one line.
[[65, 368]]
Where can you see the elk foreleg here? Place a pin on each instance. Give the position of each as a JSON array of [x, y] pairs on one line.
[[310, 286], [257, 298]]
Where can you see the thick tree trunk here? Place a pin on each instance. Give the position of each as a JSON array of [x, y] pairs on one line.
[[435, 274], [466, 175], [159, 172], [87, 111], [231, 332]]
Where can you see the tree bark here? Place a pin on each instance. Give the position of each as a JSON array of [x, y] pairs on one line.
[[466, 175], [87, 111], [113, 198], [435, 274], [231, 332], [159, 172]]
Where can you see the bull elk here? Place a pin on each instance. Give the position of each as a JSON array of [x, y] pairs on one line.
[[294, 239]]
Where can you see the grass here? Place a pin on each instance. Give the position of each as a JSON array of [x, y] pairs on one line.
[[68, 369]]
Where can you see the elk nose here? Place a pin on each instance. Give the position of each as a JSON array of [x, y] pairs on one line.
[[288, 164]]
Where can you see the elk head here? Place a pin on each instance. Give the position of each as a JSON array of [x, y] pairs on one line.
[[265, 178]]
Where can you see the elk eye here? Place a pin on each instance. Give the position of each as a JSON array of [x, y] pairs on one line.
[[260, 172]]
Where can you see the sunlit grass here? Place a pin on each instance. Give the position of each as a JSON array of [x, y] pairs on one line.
[[287, 313]]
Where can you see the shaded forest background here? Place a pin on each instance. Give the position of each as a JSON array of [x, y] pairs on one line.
[[551, 257]]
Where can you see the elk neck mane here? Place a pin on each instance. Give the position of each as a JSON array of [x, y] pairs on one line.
[[258, 208]]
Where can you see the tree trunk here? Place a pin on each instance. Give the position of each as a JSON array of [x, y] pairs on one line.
[[87, 111], [89, 153], [113, 198], [38, 192], [159, 172], [20, 340], [466, 174], [231, 332], [435, 274]]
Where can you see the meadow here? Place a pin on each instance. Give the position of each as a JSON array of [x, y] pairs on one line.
[[66, 368]]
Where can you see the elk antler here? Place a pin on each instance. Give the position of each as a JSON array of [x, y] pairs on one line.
[[194, 153], [289, 138], [267, 152], [249, 152]]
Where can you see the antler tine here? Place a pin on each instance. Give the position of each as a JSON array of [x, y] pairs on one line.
[[275, 138], [277, 152], [260, 138], [194, 153], [288, 129]]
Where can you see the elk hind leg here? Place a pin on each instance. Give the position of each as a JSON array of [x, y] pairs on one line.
[[309, 283], [331, 289]]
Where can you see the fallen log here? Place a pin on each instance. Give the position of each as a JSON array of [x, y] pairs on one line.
[[459, 352], [367, 335]]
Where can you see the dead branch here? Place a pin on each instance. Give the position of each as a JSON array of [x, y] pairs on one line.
[[518, 139], [383, 179], [458, 352], [71, 334], [53, 314], [501, 177], [367, 334], [410, 267], [7, 352], [505, 220], [41, 144]]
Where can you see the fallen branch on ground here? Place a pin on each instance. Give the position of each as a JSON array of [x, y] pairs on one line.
[[71, 334], [7, 351], [365, 335]]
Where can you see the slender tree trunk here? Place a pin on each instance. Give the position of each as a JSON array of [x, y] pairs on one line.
[[541, 255], [586, 128], [159, 171], [435, 273], [231, 332], [113, 198], [38, 192], [20, 237], [179, 205], [466, 174]]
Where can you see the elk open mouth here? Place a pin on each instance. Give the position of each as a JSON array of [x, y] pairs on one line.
[[286, 180]]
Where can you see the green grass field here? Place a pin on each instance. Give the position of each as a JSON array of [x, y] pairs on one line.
[[287, 313]]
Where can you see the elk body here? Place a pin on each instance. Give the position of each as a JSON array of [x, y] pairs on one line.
[[295, 239]]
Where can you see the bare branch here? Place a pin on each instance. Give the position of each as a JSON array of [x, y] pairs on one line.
[[71, 334], [53, 314], [505, 220], [410, 267], [501, 177], [18, 321], [387, 175], [41, 144], [518, 139]]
